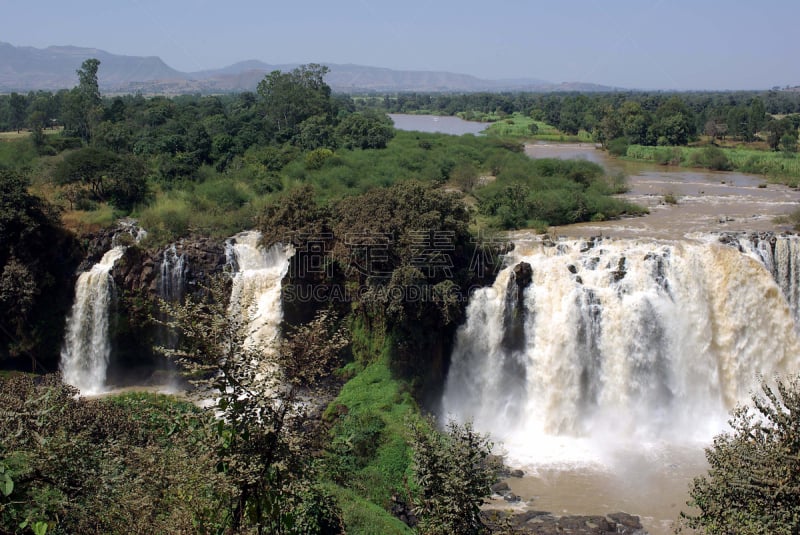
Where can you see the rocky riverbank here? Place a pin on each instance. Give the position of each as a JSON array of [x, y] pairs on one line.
[[545, 523]]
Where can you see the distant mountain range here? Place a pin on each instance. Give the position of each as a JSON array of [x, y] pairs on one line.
[[53, 68]]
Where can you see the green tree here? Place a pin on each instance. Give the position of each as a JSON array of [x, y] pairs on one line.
[[368, 130], [453, 472], [788, 142], [120, 180], [84, 103], [88, 86], [290, 98], [753, 485], [777, 129], [262, 398], [18, 105], [35, 272]]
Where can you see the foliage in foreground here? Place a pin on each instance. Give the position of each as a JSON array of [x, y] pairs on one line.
[[454, 473], [263, 400], [753, 485], [132, 464]]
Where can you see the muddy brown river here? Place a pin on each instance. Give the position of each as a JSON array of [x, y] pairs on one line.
[[707, 201]]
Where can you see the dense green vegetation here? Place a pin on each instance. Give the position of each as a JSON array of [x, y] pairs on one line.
[[539, 193], [37, 257], [209, 165], [753, 485], [777, 166], [644, 118], [131, 464], [757, 131]]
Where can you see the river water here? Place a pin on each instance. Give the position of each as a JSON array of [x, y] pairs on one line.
[[435, 123], [707, 201]]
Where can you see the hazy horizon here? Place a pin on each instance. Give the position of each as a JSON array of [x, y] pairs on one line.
[[653, 44]]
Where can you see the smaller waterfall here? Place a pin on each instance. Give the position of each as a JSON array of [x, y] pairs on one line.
[[171, 288], [172, 276], [256, 291], [781, 257], [86, 351]]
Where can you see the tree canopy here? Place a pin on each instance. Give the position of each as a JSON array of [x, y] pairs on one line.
[[753, 485]]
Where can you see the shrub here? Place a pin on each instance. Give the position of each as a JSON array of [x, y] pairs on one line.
[[711, 158], [316, 158], [753, 485], [618, 146], [453, 473], [670, 198]]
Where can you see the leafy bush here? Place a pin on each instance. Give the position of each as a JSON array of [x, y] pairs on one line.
[[368, 130], [711, 158], [454, 474], [551, 192], [221, 195], [151, 461], [753, 485], [618, 146], [317, 157]]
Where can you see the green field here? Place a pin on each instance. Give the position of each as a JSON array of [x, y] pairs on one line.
[[519, 126]]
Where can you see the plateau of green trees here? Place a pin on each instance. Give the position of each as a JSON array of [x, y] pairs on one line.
[[209, 164]]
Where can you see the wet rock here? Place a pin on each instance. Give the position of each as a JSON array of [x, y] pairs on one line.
[[514, 313], [516, 473], [626, 520], [591, 243], [403, 511], [523, 275], [572, 269], [619, 273], [501, 487], [544, 523]]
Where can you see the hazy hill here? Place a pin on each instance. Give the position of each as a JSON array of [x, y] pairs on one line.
[[26, 68], [53, 68]]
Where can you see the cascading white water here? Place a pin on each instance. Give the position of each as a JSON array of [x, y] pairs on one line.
[[86, 351], [256, 291], [172, 274], [781, 257], [171, 288], [619, 344]]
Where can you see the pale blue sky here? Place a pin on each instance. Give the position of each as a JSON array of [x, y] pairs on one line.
[[667, 44]]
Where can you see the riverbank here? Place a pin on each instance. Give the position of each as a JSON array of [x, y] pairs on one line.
[[681, 200], [776, 167]]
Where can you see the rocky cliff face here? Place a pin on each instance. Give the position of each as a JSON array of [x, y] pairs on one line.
[[141, 270], [142, 277]]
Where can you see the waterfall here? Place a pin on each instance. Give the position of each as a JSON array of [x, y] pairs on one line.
[[256, 289], [172, 275], [171, 288], [781, 257], [86, 350], [622, 343]]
